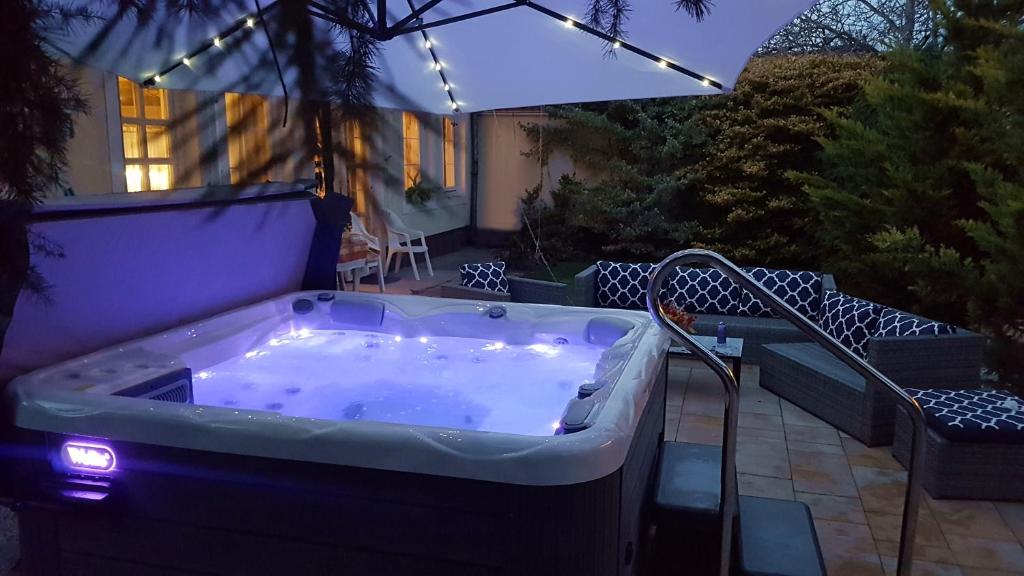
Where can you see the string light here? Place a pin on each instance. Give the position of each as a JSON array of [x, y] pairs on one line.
[[569, 22], [436, 64], [248, 21]]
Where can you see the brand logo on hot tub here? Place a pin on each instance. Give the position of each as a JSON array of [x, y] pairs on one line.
[[88, 456]]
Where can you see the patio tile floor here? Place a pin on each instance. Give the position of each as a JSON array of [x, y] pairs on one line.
[[855, 493]]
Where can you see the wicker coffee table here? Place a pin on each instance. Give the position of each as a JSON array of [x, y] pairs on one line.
[[731, 351]]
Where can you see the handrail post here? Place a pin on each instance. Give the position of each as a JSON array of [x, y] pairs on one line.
[[912, 497], [732, 411]]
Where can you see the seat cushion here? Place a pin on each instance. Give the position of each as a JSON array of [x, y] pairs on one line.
[[849, 320], [623, 285], [978, 416], [702, 291], [799, 289], [893, 322], [486, 276]]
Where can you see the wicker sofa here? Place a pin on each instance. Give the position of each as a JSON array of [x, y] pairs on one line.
[[744, 318], [913, 354]]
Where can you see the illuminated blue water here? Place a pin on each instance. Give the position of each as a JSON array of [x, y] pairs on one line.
[[463, 383]]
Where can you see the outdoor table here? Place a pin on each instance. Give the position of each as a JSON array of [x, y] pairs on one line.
[[731, 351]]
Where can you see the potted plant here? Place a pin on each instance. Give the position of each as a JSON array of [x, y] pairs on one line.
[[680, 317], [420, 192]]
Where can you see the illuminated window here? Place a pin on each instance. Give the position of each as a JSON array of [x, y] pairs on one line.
[[449, 153], [146, 135], [248, 150], [358, 176], [411, 136]]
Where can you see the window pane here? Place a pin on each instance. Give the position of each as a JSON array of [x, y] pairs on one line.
[[410, 125], [412, 152], [158, 143], [132, 140], [411, 137], [449, 153], [248, 143], [160, 176], [126, 93], [155, 100], [133, 177], [412, 174]]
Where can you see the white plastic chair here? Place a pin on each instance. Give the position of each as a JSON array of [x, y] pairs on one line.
[[373, 259], [400, 239]]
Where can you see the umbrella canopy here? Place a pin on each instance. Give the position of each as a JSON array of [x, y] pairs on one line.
[[505, 54]]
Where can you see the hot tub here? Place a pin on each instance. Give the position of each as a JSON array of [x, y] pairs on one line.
[[348, 433]]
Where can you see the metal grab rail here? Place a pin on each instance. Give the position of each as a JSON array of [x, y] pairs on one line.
[[912, 497]]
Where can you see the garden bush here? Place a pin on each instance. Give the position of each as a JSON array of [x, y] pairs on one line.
[[708, 171]]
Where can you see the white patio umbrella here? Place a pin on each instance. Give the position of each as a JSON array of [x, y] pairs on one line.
[[488, 53]]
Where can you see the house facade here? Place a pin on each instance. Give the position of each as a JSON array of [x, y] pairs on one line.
[[149, 139]]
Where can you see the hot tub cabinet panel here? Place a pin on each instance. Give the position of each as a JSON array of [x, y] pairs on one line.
[[181, 511]]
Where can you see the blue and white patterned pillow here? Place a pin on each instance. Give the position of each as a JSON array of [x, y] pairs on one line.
[[898, 323], [799, 289], [973, 415], [702, 291], [849, 320], [486, 276], [622, 285]]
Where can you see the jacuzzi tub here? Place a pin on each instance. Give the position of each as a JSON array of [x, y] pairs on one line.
[[350, 433]]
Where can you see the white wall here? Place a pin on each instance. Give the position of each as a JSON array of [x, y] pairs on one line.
[[505, 174], [89, 154], [449, 209]]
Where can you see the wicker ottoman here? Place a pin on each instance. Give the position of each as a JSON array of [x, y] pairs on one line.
[[975, 444]]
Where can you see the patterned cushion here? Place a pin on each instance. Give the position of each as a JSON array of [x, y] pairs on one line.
[[622, 285], [973, 415], [487, 276], [898, 323], [801, 290], [702, 291], [849, 320]]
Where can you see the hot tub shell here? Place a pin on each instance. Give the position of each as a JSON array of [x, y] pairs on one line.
[[210, 490]]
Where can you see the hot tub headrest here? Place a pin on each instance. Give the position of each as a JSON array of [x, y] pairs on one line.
[[576, 414], [606, 330], [362, 313]]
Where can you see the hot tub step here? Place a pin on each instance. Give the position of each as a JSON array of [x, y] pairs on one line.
[[776, 538], [688, 509]]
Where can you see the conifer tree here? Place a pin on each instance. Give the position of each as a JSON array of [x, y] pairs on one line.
[[768, 126], [922, 193]]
